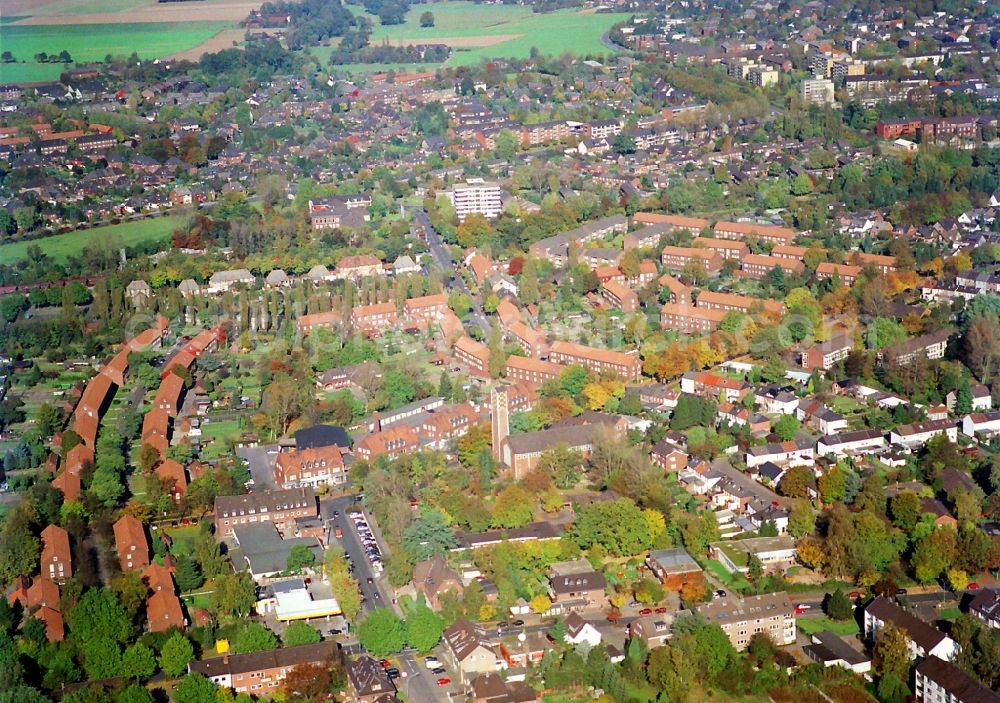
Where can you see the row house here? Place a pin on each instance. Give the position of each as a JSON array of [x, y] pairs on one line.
[[626, 365], [744, 230], [845, 272], [531, 370], [620, 296], [884, 263], [919, 433], [712, 385], [676, 258], [690, 319], [319, 320], [757, 266], [790, 452], [393, 442], [280, 507], [739, 416], [312, 468]]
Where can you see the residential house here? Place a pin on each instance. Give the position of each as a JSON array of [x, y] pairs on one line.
[[791, 452], [131, 543], [315, 467], [673, 567], [368, 681], [919, 433], [830, 649], [986, 606], [392, 442], [826, 354], [164, 612], [468, 651], [433, 577], [56, 559], [851, 443], [579, 631]]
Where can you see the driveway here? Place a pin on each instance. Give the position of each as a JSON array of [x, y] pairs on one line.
[[261, 461]]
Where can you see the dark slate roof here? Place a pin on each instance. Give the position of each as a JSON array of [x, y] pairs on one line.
[[322, 436], [956, 682], [924, 634]]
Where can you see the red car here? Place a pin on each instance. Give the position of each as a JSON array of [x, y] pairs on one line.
[[386, 663], [646, 611], [972, 586], [854, 595], [660, 610], [443, 682]]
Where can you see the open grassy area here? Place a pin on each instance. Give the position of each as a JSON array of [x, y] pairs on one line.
[[734, 582], [149, 40], [60, 246], [479, 32], [810, 626]]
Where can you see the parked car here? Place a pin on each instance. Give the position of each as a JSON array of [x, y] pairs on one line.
[[972, 586], [431, 662], [443, 682], [801, 608], [660, 610], [854, 595], [438, 670], [646, 611]]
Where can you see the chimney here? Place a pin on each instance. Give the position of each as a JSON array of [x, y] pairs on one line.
[[376, 422], [225, 659]]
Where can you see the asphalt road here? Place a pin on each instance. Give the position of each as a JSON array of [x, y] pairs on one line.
[[373, 594], [442, 258]]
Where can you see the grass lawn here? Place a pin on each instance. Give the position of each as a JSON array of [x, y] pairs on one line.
[[735, 582], [183, 538], [60, 246], [810, 626], [202, 599], [149, 39], [949, 613], [508, 31]]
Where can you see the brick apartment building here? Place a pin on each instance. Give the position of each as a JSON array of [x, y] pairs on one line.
[[261, 673], [744, 230], [520, 368], [742, 618], [620, 296], [757, 266], [313, 467], [676, 258], [473, 354], [280, 506], [628, 366], [690, 319]]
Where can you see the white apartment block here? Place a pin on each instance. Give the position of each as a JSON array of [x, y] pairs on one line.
[[477, 196]]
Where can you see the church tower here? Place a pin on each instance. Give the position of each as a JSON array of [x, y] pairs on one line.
[[500, 416]]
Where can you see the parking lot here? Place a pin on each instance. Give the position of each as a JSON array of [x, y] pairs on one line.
[[360, 544]]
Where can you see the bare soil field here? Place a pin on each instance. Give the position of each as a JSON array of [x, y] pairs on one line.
[[187, 12], [456, 42], [223, 40]]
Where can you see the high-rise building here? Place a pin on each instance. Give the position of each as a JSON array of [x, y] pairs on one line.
[[479, 196], [500, 418]]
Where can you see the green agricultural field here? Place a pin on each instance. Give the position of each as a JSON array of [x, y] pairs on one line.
[[478, 32], [61, 246], [149, 40]]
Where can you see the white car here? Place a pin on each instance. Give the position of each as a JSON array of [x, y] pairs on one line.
[[431, 663]]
